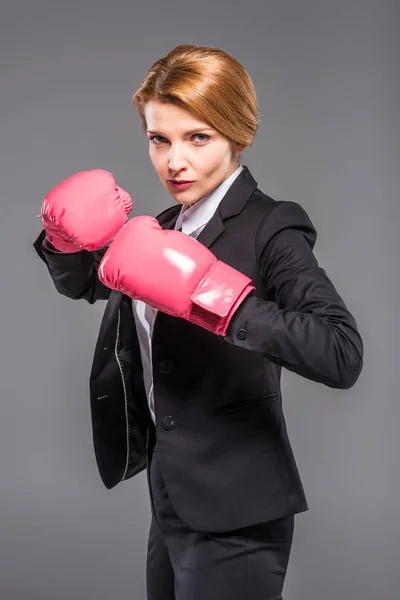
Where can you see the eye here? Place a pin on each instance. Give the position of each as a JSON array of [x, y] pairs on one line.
[[204, 136], [153, 138]]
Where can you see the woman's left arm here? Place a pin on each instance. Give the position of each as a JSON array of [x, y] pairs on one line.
[[306, 327]]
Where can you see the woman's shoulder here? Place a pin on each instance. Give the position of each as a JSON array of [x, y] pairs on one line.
[[286, 208], [279, 215]]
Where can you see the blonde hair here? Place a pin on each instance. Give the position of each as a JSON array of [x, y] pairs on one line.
[[207, 82]]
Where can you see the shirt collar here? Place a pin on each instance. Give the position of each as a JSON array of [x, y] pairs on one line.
[[201, 212]]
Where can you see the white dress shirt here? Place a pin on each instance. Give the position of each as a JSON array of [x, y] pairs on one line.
[[192, 220]]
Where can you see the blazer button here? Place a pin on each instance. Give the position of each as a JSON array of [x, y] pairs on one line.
[[241, 334], [168, 423], [166, 366]]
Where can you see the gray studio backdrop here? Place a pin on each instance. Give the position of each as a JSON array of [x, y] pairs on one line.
[[326, 78]]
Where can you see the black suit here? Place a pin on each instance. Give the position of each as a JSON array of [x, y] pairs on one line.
[[222, 439]]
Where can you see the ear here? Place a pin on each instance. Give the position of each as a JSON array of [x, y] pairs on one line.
[[238, 148]]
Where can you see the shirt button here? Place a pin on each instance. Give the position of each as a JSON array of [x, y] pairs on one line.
[[168, 423], [241, 334], [166, 366]]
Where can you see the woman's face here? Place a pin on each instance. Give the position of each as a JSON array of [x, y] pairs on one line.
[[184, 148]]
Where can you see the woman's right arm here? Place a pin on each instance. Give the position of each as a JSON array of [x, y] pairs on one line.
[[74, 275]]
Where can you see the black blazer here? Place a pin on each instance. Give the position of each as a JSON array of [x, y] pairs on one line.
[[223, 444]]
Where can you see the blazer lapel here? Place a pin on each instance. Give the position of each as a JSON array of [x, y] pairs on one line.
[[231, 205], [170, 222]]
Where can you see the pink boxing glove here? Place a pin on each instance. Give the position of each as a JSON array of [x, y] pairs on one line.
[[85, 211], [174, 273]]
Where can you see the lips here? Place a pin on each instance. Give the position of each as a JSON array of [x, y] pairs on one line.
[[180, 184]]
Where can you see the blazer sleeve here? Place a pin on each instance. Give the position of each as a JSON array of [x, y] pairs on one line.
[[304, 325], [74, 275]]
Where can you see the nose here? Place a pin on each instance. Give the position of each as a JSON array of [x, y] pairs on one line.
[[176, 158]]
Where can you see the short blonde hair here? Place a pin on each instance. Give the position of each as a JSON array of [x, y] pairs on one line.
[[210, 84]]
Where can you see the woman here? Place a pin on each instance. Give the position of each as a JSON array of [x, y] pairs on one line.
[[206, 303]]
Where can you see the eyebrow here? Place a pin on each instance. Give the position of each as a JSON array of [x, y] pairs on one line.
[[187, 132]]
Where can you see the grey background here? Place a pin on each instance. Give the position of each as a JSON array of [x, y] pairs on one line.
[[327, 81]]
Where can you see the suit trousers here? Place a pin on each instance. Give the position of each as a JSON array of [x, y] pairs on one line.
[[249, 563]]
